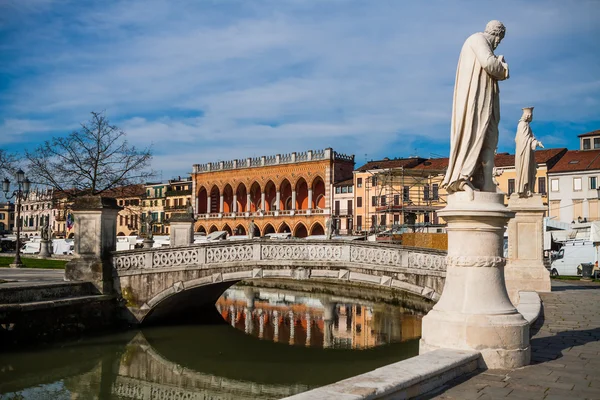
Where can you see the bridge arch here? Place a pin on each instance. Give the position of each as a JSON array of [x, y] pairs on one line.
[[162, 278]]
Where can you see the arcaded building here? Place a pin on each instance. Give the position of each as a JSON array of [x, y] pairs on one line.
[[280, 193]]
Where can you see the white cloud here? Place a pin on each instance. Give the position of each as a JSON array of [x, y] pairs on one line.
[[274, 77]]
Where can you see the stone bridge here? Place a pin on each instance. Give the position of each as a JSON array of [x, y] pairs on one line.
[[169, 280]]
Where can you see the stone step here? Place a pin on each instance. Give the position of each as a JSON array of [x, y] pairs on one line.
[[45, 292]]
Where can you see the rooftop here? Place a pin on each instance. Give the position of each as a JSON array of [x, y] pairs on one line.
[[347, 182], [592, 133], [386, 163], [578, 160], [543, 156]]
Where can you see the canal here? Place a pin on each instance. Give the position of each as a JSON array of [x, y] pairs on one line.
[[265, 344]]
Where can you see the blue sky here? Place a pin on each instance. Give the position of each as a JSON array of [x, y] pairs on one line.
[[214, 80]]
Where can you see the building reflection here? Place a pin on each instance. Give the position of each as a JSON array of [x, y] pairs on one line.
[[316, 320]]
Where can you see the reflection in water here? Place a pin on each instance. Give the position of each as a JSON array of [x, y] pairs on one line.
[[316, 320], [217, 361]]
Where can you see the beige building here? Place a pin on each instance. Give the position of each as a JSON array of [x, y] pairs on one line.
[[36, 211], [406, 192], [7, 217], [545, 160], [343, 207]]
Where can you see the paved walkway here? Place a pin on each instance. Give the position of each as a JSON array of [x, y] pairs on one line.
[[30, 276], [565, 354]]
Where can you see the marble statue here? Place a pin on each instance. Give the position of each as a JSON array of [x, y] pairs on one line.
[[328, 228], [45, 231], [189, 208], [476, 112], [525, 155], [251, 229], [149, 223]]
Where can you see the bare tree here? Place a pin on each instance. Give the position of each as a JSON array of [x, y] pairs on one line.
[[8, 162], [92, 160]]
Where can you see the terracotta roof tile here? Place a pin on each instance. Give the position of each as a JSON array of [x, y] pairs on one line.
[[433, 164], [387, 163], [346, 182], [578, 160], [592, 133], [543, 156]]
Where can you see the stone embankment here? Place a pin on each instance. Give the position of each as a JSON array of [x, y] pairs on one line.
[[48, 311]]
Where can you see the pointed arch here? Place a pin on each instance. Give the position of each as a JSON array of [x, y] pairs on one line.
[[283, 228], [227, 199], [318, 191], [270, 195], [268, 229], [241, 195], [240, 230], [201, 229], [285, 195], [300, 230], [301, 194], [118, 234], [212, 229], [215, 198], [255, 196], [227, 229], [317, 229], [201, 200]]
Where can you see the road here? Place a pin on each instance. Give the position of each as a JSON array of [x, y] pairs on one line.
[[30, 276]]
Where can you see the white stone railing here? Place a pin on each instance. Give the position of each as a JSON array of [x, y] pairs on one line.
[[258, 214], [253, 252], [310, 155]]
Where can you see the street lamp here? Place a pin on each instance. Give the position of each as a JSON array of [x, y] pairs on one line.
[[21, 193]]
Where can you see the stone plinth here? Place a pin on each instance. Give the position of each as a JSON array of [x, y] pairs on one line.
[[95, 238], [474, 311], [525, 270], [45, 248], [182, 229], [148, 243]]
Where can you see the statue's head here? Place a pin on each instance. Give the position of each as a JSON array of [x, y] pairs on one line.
[[496, 30], [527, 114]]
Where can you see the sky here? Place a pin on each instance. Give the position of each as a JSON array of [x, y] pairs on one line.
[[203, 81]]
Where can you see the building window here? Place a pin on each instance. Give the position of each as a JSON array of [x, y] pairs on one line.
[[344, 189], [554, 185], [436, 191], [337, 189], [383, 220], [373, 200], [511, 186], [405, 193], [596, 143], [396, 219], [383, 202], [542, 185], [337, 207], [373, 222], [349, 205], [593, 182], [396, 199], [577, 184], [374, 181], [426, 192], [359, 222], [586, 144], [359, 182], [359, 202], [120, 220], [350, 189]]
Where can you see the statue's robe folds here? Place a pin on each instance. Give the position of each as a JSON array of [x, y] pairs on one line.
[[525, 158], [475, 110]]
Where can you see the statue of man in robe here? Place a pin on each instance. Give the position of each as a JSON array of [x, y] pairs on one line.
[[251, 229], [525, 155], [476, 112]]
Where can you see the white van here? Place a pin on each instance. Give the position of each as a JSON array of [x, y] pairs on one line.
[[30, 248], [571, 255]]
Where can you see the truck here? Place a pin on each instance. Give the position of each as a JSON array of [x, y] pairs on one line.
[[571, 256]]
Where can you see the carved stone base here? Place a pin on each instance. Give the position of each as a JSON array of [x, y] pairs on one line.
[[525, 270], [474, 311], [147, 243], [45, 249]]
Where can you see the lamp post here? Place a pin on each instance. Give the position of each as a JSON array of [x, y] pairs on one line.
[[20, 194]]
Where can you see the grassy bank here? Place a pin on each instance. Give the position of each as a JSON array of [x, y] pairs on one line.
[[34, 263]]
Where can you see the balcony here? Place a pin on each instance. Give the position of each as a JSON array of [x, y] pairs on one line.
[[173, 208], [343, 212], [171, 193], [259, 214]]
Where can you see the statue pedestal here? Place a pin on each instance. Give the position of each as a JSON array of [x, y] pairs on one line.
[[44, 249], [95, 239], [182, 229], [525, 270], [147, 243], [474, 311]]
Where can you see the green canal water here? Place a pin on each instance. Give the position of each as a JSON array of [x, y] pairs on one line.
[[268, 344]]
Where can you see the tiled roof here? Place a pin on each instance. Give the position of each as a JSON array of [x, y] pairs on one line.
[[541, 157], [125, 191], [578, 160], [433, 164], [592, 133], [347, 182], [387, 163]]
